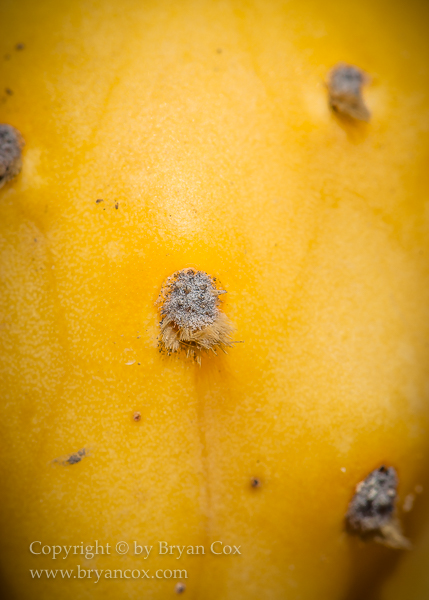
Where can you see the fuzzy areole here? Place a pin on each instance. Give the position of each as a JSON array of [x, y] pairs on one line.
[[208, 124], [345, 91], [371, 512], [11, 144], [192, 319]]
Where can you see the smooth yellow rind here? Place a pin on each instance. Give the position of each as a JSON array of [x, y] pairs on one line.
[[208, 123]]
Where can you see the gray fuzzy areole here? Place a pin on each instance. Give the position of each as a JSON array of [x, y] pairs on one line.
[[192, 300], [371, 512], [373, 504], [11, 144], [192, 320], [345, 91]]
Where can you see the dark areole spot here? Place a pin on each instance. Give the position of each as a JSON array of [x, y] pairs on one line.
[[373, 504], [255, 482], [11, 144], [345, 91]]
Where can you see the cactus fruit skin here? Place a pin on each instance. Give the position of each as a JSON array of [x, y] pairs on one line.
[[206, 130]]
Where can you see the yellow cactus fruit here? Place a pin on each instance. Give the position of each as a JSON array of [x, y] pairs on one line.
[[160, 437]]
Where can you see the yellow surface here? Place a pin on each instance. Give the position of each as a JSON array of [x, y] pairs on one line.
[[207, 122]]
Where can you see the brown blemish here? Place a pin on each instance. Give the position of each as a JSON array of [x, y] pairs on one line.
[[192, 321], [137, 416], [372, 510], [77, 457], [99, 200], [72, 459], [255, 482], [345, 91], [20, 46], [11, 144], [117, 205], [8, 91], [180, 588]]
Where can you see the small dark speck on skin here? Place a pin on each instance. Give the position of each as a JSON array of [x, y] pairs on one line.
[[7, 56], [99, 200], [117, 206], [137, 417], [255, 482], [8, 91], [20, 46], [180, 588]]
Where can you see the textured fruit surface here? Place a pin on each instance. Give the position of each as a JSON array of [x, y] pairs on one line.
[[204, 128]]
